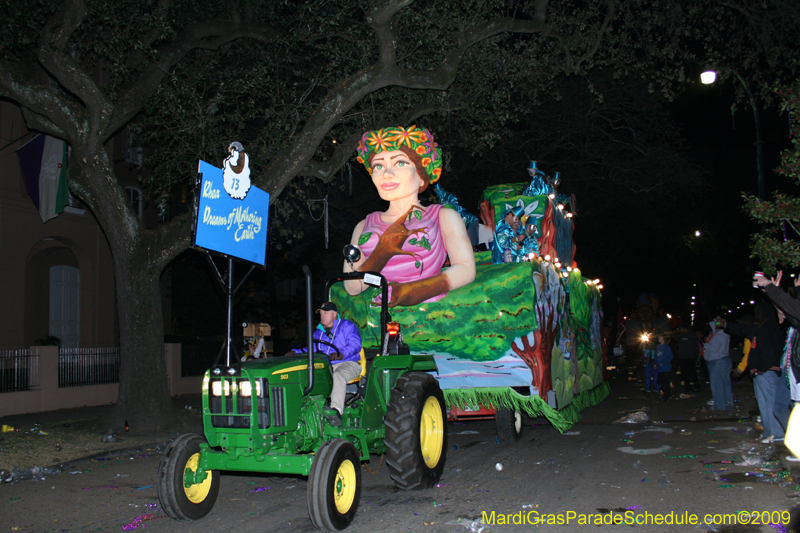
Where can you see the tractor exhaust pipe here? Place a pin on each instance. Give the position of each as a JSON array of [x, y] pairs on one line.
[[309, 315]]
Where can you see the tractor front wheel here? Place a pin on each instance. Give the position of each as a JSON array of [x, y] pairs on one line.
[[180, 498], [334, 485], [416, 432]]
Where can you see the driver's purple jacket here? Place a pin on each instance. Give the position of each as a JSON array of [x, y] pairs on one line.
[[344, 335]]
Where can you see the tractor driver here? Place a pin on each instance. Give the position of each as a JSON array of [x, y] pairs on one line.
[[345, 365]]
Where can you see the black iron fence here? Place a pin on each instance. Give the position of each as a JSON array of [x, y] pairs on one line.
[[19, 370], [88, 366]]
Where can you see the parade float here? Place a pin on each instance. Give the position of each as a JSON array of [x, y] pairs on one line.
[[523, 336]]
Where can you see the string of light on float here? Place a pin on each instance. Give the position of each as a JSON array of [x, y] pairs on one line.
[[560, 206], [565, 269]]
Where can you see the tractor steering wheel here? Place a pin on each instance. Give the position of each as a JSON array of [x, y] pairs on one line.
[[338, 357]]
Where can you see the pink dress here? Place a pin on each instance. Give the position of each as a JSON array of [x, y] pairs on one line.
[[428, 249]]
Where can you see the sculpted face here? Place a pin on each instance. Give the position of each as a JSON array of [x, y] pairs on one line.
[[394, 175]]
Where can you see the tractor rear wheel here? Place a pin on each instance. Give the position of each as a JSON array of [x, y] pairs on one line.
[[509, 425], [178, 500], [416, 432], [334, 485]]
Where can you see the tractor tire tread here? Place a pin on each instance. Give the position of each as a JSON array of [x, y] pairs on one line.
[[403, 449], [169, 478]]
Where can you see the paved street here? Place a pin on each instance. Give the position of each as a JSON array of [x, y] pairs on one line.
[[681, 461]]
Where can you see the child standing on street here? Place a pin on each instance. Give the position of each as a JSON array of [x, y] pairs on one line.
[[650, 371], [664, 367]]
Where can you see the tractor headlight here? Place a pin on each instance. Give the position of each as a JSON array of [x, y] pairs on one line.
[[245, 389], [216, 388]]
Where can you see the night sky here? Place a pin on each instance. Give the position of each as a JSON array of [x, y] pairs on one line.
[[717, 270]]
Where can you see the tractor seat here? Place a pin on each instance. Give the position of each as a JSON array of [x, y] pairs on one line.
[[362, 360], [355, 387]]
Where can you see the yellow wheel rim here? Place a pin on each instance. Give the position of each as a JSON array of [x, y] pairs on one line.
[[431, 432], [344, 488], [199, 491]]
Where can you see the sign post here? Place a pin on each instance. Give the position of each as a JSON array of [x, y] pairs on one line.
[[231, 219]]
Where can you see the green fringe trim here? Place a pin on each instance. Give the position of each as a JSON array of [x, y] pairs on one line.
[[534, 406]]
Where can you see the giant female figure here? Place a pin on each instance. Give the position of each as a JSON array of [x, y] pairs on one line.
[[407, 243]]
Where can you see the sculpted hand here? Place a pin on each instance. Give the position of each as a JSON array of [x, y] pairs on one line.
[[391, 243], [414, 292]]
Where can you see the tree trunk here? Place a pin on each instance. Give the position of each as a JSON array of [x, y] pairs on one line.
[[139, 257], [144, 398]]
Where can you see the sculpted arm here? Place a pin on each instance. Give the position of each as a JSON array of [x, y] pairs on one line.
[[461, 271], [459, 249]]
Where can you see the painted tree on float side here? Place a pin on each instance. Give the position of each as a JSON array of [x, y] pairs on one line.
[[287, 78]]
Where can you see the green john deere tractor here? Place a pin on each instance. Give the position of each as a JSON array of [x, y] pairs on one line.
[[266, 415]]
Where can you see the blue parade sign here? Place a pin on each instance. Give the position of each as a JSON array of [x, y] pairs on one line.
[[232, 214]]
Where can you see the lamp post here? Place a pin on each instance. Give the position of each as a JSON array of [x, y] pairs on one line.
[[707, 78]]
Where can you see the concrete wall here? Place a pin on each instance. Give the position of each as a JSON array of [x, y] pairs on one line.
[[49, 397], [179, 386]]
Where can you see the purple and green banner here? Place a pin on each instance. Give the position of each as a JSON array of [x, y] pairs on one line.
[[44, 166]]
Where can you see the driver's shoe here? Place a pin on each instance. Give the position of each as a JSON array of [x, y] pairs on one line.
[[334, 418]]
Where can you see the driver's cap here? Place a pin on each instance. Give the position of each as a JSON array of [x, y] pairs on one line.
[[328, 306]]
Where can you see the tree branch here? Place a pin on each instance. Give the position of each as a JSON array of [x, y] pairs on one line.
[[208, 35], [343, 96], [379, 19], [56, 60], [325, 170], [147, 39], [443, 77], [39, 101], [600, 33], [168, 240], [41, 123], [71, 15]]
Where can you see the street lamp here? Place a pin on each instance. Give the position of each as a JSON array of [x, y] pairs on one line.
[[707, 78]]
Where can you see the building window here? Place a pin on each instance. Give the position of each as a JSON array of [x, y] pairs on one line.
[[135, 199], [133, 146]]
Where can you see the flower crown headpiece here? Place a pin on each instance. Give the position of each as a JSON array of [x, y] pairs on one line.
[[420, 140]]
